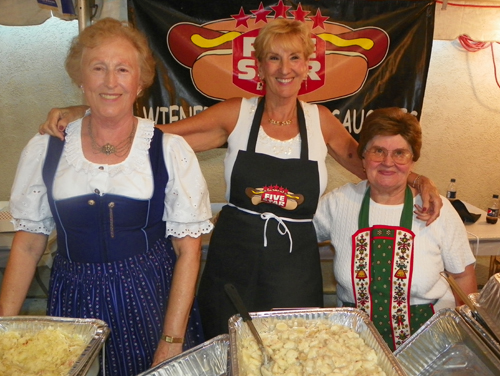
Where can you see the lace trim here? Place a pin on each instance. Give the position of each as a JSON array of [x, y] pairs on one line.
[[279, 147], [138, 158], [39, 227], [195, 230]]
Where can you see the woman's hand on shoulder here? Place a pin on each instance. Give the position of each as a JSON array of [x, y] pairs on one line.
[[431, 200], [59, 118]]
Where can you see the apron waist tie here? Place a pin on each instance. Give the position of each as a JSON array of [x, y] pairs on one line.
[[282, 227]]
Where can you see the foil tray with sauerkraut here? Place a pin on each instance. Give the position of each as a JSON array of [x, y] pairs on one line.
[[52, 346]]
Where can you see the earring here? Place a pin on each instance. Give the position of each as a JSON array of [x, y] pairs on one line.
[[260, 83], [83, 90]]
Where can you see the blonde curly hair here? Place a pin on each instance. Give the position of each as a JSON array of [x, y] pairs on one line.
[[283, 31]]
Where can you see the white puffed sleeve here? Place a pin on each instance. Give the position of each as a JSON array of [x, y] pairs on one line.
[[29, 204], [187, 203]]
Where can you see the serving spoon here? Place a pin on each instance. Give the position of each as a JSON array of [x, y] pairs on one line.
[[233, 294]]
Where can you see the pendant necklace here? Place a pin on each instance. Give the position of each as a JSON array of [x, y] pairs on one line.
[[119, 150]]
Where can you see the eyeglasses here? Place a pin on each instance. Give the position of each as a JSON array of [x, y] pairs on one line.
[[379, 154]]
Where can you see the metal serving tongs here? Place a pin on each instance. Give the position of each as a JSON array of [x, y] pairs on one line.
[[240, 307], [458, 290]]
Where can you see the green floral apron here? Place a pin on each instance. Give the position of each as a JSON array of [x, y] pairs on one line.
[[382, 268]]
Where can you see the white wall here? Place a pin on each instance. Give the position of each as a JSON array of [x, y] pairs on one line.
[[460, 120], [32, 81]]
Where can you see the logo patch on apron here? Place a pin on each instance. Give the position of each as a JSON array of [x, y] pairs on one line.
[[275, 195]]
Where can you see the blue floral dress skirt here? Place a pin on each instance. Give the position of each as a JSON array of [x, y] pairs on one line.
[[114, 263]]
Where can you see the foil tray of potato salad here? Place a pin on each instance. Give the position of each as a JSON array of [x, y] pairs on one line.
[[330, 341], [207, 359], [35, 345], [447, 345]]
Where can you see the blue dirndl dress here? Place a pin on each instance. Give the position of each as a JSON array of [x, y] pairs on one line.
[[114, 263]]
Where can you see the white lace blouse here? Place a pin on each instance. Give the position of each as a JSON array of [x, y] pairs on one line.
[[187, 204]]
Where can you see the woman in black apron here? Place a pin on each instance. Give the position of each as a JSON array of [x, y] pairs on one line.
[[284, 269]]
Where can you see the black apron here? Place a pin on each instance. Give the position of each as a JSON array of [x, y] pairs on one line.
[[264, 241]]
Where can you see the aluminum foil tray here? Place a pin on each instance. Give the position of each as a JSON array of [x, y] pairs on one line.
[[95, 331], [354, 319], [483, 332], [211, 358], [446, 345], [487, 304]]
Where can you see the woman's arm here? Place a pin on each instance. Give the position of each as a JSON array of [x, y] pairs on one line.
[[181, 297], [207, 130], [343, 148], [341, 145], [27, 249], [466, 281]]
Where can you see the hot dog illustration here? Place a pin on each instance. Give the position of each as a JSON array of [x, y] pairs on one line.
[[220, 56], [275, 195]]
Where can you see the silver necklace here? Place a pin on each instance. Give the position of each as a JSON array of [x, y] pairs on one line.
[[120, 150]]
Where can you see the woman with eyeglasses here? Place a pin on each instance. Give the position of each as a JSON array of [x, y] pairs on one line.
[[386, 262]]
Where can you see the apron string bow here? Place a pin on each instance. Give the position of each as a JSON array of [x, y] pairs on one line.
[[282, 227]]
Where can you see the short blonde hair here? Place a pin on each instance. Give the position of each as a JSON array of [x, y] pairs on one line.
[[109, 28], [283, 31], [391, 121]]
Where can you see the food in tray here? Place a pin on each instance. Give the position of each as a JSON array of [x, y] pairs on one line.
[[48, 352], [309, 347]]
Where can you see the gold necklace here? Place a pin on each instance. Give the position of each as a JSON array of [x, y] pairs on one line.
[[119, 150], [280, 123]]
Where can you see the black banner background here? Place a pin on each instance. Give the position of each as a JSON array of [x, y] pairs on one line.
[[399, 80]]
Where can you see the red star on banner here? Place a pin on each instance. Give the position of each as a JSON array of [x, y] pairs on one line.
[[299, 14], [241, 18], [261, 13], [318, 19], [280, 9]]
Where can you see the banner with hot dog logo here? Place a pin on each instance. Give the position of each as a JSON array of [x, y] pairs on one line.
[[368, 54]]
